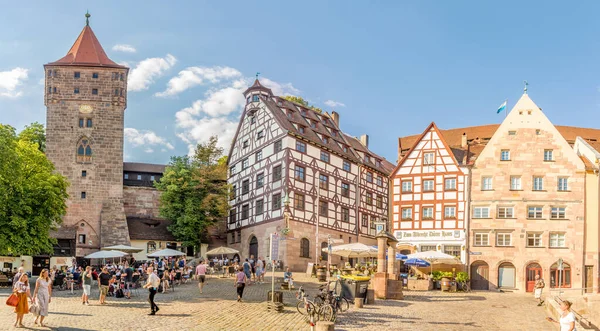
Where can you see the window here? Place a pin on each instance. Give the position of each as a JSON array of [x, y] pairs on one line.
[[563, 183], [515, 183], [151, 246], [406, 214], [345, 215], [481, 239], [232, 170], [300, 147], [49, 89], [299, 201], [379, 201], [367, 158], [369, 198], [245, 211], [562, 276], [512, 133], [259, 206], [304, 248], [450, 184], [258, 155], [323, 182], [538, 183], [83, 195], [139, 177], [325, 140], [83, 173], [548, 155], [246, 186], [245, 163], [277, 173], [84, 150], [346, 166], [233, 191], [506, 212], [505, 155], [534, 239], [95, 75], [301, 129], [303, 112], [481, 212], [427, 248], [252, 119], [313, 124], [323, 208], [76, 90], [260, 180], [277, 146], [428, 185], [299, 173], [88, 123], [117, 92], [260, 134], [449, 212], [486, 184], [557, 239], [345, 190], [81, 239], [503, 239], [255, 98], [276, 203], [81, 121], [369, 177], [453, 250], [152, 178], [324, 156], [429, 158], [534, 212], [245, 144], [77, 74], [427, 213], [126, 176], [406, 186], [95, 91], [379, 181], [378, 163], [558, 213], [365, 220]]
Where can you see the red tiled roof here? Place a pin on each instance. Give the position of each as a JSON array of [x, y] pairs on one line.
[[87, 51]]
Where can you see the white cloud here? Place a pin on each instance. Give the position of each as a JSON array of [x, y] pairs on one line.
[[144, 74], [280, 89], [145, 138], [192, 76], [334, 104], [124, 48], [11, 80]]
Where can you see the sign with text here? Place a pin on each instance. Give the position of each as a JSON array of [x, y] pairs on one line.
[[429, 235], [274, 249]]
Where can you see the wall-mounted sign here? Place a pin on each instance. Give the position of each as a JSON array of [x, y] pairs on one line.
[[429, 235], [86, 109]]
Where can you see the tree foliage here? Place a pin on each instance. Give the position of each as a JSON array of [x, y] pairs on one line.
[[195, 192], [301, 101], [32, 196]]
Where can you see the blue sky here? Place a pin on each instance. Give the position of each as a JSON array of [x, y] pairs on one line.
[[388, 67]]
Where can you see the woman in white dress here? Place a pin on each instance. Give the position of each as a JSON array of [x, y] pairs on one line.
[[567, 318], [42, 295]]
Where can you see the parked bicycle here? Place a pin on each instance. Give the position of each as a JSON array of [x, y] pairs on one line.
[[312, 311]]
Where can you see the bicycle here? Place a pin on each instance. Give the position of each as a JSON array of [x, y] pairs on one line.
[[337, 301], [313, 312]]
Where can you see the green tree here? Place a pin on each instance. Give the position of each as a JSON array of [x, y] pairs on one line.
[[195, 192], [301, 101], [32, 196], [35, 133]]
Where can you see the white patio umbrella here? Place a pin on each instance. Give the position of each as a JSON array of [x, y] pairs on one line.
[[166, 253], [123, 248], [105, 255], [435, 257], [353, 250], [222, 251]]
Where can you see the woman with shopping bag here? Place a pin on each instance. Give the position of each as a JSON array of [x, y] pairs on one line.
[[42, 295], [23, 292]]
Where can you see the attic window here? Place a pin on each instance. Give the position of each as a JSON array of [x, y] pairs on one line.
[[301, 128], [313, 124], [303, 112], [537, 132], [255, 98], [512, 133], [289, 114], [529, 112], [325, 139], [520, 112]]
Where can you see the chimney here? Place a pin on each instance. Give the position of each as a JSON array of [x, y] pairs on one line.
[[463, 141], [335, 117], [364, 139]]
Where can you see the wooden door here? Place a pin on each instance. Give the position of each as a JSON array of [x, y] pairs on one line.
[[480, 272], [532, 270], [589, 279], [253, 249]]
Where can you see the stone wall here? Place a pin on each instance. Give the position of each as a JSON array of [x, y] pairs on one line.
[[141, 201]]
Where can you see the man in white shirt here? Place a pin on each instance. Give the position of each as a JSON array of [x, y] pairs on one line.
[[152, 286]]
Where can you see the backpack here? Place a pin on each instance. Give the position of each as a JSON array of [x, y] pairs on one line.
[[119, 293]]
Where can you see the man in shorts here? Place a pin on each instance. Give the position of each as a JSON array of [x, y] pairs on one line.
[[87, 285], [538, 288], [201, 274], [104, 281], [128, 281]]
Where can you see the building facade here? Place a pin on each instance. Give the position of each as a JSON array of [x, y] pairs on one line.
[[527, 205], [288, 159], [430, 194]]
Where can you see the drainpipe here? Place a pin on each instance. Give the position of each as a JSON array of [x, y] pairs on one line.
[[468, 219], [358, 200]]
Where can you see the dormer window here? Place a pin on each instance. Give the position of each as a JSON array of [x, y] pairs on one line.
[[255, 98], [301, 129], [303, 112], [289, 114], [313, 124], [325, 140]]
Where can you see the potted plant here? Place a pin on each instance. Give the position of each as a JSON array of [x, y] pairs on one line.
[[436, 276], [462, 278]]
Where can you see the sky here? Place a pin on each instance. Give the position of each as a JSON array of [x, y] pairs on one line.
[[389, 68]]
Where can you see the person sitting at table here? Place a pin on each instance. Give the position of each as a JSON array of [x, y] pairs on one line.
[[287, 277]]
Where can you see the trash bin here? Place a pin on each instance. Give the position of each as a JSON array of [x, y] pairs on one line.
[[355, 287]]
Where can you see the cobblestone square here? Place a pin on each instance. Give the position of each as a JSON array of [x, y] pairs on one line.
[[217, 309]]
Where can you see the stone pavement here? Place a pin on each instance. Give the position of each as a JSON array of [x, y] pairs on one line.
[[217, 309]]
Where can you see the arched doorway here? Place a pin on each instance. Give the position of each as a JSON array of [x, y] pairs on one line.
[[562, 277], [253, 249], [506, 275], [324, 255], [480, 272], [532, 270]]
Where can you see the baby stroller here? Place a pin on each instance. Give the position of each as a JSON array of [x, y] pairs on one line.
[[59, 282]]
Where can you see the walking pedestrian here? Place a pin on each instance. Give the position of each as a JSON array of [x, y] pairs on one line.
[[247, 269], [104, 281], [42, 295], [128, 280], [23, 291], [87, 285], [201, 274], [240, 282], [252, 267], [539, 287], [567, 318], [152, 286]]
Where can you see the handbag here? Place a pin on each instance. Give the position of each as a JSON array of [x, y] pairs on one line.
[[13, 300], [35, 309]]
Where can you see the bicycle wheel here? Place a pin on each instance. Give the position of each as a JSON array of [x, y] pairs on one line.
[[306, 308], [343, 304], [318, 301], [326, 313]]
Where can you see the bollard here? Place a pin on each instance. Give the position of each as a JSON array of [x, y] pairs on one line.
[[370, 296], [358, 302], [324, 326]]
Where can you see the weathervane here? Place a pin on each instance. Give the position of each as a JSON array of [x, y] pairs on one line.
[[87, 18], [525, 89], [258, 73]]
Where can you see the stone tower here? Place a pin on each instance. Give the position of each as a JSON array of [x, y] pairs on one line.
[[86, 96]]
